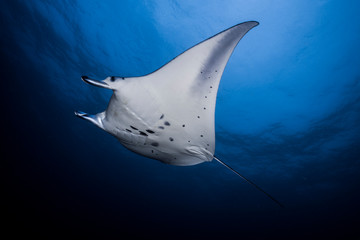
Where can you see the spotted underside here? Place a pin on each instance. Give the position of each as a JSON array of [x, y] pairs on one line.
[[169, 114]]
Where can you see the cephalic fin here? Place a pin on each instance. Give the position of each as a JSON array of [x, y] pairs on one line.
[[248, 181], [95, 82], [95, 119]]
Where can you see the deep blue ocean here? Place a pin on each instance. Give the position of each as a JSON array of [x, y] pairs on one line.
[[287, 117]]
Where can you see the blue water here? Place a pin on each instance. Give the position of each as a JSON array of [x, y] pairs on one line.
[[287, 117]]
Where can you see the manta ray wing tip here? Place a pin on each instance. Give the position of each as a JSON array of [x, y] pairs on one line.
[[254, 23], [249, 23]]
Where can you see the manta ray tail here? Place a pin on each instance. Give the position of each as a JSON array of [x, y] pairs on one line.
[[248, 181]]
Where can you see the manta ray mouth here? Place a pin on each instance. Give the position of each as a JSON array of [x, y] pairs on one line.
[[95, 82]]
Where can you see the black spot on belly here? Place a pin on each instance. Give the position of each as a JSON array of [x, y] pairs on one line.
[[155, 144], [152, 151], [133, 127], [161, 127], [205, 96], [128, 130], [167, 123], [201, 135], [183, 125], [150, 131], [210, 86], [142, 133], [204, 108], [198, 116], [171, 139], [162, 116]]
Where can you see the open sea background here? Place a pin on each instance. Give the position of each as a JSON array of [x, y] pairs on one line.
[[287, 117]]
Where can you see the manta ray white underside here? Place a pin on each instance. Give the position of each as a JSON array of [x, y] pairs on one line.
[[169, 115]]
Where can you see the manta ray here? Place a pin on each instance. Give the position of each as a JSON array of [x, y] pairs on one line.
[[169, 114]]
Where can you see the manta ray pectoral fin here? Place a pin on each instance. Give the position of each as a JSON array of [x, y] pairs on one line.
[[95, 119], [95, 82]]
